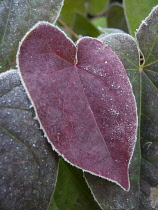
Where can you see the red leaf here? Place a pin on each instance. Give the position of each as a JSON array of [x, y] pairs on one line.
[[83, 99]]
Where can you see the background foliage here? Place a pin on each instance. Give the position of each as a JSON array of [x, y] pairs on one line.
[[30, 170]]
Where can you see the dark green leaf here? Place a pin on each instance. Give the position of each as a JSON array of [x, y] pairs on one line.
[[28, 164], [16, 18], [69, 9], [84, 27], [125, 47], [136, 11], [116, 18], [147, 37], [71, 191]]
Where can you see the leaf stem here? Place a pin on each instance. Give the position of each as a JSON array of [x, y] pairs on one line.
[[68, 28]]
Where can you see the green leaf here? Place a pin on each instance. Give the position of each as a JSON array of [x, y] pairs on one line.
[[136, 11], [93, 6], [125, 47], [107, 31], [99, 21], [116, 18], [16, 18], [68, 11], [28, 164], [84, 27], [144, 79], [71, 191], [147, 37]]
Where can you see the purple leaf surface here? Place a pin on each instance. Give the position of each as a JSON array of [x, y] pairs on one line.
[[83, 99]]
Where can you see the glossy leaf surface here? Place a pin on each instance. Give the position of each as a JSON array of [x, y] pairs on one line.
[[83, 100], [16, 18], [28, 164]]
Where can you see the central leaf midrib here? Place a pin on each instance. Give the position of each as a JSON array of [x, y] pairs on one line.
[[94, 117], [97, 77]]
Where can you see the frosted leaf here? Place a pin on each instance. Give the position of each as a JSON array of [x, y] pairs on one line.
[[16, 18], [27, 161], [72, 98], [144, 79]]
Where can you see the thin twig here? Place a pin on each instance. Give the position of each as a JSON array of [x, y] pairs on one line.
[[68, 28]]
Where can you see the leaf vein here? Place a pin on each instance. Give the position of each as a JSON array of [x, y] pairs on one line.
[[20, 142], [129, 59], [151, 48], [151, 82]]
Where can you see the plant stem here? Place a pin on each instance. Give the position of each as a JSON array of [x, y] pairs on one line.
[[68, 28]]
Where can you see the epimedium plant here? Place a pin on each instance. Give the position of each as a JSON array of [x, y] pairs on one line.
[[84, 103]]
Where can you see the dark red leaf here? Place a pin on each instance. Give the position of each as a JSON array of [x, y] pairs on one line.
[[83, 99]]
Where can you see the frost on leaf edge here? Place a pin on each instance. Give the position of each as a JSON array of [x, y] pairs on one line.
[[144, 22], [37, 118]]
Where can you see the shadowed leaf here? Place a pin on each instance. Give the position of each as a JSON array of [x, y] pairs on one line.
[[71, 191], [68, 11], [147, 37], [84, 27], [116, 18], [16, 17], [28, 164]]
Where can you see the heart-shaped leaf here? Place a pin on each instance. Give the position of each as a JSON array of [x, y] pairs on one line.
[[83, 100], [28, 165], [16, 18]]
